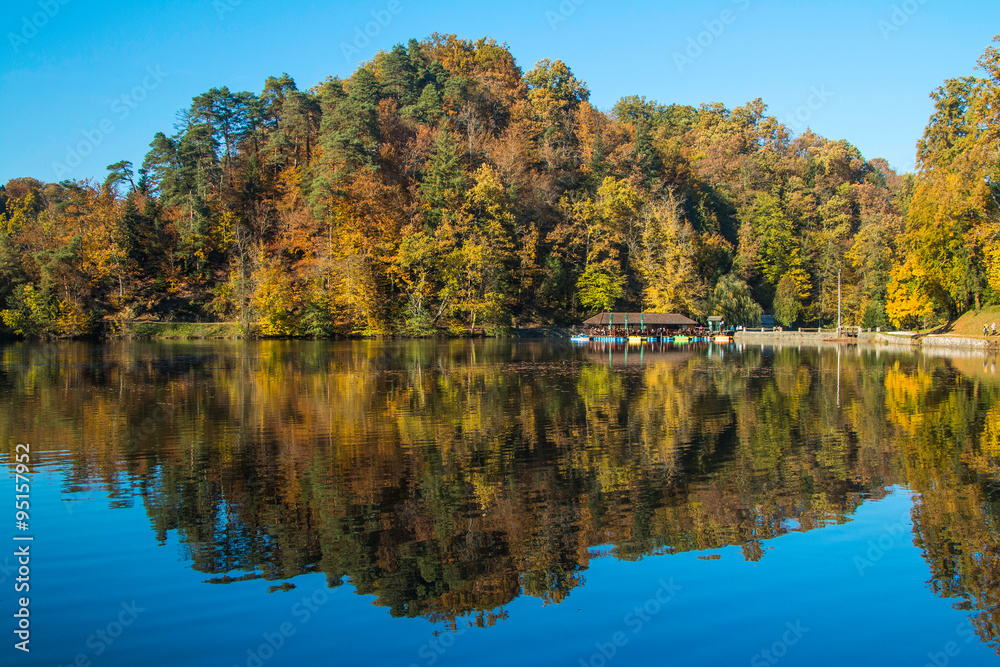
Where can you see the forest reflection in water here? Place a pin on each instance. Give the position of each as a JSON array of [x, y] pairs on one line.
[[449, 478]]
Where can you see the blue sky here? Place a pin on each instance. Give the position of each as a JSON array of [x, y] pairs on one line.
[[84, 84]]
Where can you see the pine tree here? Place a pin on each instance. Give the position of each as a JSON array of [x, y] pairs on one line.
[[398, 76], [354, 139], [647, 159], [444, 182], [428, 107]]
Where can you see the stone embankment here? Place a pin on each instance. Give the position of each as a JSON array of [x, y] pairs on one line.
[[789, 336], [941, 342]]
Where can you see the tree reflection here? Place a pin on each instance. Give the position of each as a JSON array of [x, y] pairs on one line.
[[447, 479]]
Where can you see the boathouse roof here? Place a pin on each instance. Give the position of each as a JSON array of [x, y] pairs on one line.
[[650, 319]]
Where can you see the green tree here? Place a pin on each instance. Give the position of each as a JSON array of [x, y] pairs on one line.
[[732, 299], [600, 286], [443, 185], [353, 137], [787, 305], [398, 76]]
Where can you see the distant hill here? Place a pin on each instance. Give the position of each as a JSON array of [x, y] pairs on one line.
[[443, 188]]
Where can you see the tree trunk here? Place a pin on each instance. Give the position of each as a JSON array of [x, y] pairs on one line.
[[440, 310]]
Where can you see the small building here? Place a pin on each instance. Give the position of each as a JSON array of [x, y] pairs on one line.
[[716, 323], [638, 321]]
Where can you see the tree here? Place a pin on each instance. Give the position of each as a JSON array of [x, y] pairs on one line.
[[428, 108], [668, 262], [909, 304], [732, 300], [119, 173], [600, 286], [787, 305], [353, 139], [479, 246], [443, 185], [398, 76]]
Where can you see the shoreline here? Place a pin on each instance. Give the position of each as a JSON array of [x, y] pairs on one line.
[[152, 331], [889, 339]]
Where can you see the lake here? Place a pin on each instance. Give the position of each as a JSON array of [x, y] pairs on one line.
[[499, 502]]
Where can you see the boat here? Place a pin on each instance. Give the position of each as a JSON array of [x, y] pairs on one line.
[[723, 339], [634, 340], [580, 338], [682, 339]]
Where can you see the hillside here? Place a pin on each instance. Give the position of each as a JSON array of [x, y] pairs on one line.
[[971, 323], [442, 188]]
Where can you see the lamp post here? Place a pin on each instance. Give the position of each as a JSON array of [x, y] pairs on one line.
[[838, 303]]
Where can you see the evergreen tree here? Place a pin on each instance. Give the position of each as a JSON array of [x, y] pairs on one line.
[[647, 160], [120, 172], [354, 139], [398, 76], [444, 182], [428, 107]]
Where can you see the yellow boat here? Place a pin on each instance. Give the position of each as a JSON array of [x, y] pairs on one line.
[[634, 339]]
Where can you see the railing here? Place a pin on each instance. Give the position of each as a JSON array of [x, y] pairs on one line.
[[783, 329], [843, 332], [849, 332]]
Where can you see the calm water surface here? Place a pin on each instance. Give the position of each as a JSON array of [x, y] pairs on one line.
[[502, 503]]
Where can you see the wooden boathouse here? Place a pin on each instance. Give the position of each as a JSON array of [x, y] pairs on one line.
[[639, 321]]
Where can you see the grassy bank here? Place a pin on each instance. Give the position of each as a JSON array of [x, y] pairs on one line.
[[184, 330], [971, 323]]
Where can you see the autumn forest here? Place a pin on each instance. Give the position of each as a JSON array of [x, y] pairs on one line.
[[442, 189]]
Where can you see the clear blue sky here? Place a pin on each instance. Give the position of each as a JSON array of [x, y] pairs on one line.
[[103, 78]]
